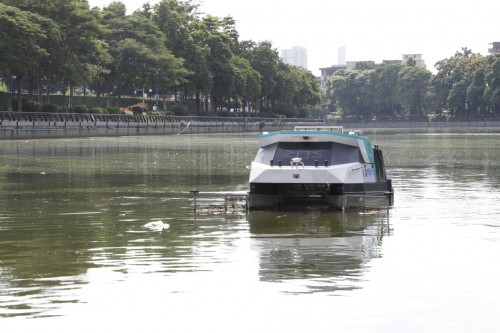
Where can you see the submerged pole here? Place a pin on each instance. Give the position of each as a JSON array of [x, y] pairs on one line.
[[195, 193]]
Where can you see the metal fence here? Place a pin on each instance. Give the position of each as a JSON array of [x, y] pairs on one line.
[[21, 125]]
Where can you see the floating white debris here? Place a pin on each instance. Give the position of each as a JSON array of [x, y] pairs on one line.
[[157, 225]]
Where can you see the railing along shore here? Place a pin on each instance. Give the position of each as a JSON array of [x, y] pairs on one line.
[[23, 125], [15, 125]]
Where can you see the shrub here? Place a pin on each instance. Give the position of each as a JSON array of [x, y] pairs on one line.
[[96, 110], [80, 109], [113, 111], [49, 107], [138, 109], [224, 114], [13, 103], [180, 110], [31, 106]]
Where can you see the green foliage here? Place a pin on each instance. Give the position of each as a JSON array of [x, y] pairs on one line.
[[97, 111], [48, 107], [14, 103], [113, 111], [180, 110], [171, 48], [80, 109], [138, 109], [32, 106]]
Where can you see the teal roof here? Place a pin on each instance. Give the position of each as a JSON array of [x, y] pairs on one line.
[[366, 141]]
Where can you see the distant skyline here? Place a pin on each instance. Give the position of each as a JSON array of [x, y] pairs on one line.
[[368, 29]]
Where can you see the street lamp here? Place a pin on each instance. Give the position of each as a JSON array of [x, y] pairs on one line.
[[150, 91], [13, 86], [14, 77], [156, 96]]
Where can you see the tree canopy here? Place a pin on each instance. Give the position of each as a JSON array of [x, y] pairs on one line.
[[465, 87], [170, 47]]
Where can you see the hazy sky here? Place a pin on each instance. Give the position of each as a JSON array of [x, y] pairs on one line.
[[369, 29]]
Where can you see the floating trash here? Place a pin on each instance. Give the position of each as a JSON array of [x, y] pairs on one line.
[[157, 226]]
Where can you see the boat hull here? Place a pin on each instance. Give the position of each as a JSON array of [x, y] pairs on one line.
[[332, 196]]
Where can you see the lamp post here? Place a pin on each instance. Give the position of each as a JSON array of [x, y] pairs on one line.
[[13, 86], [84, 95], [150, 91], [156, 96]]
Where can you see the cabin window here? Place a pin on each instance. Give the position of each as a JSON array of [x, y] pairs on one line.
[[309, 152], [343, 154]]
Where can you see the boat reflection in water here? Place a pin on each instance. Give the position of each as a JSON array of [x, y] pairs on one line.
[[317, 251]]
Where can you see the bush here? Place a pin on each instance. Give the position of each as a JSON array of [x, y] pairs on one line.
[[223, 113], [49, 107], [138, 109], [13, 103], [80, 109], [96, 110], [113, 111], [31, 106], [180, 110]]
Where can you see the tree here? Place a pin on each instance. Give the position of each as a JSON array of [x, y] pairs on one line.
[[476, 94], [454, 76], [219, 60], [381, 95], [139, 54], [24, 40], [185, 38], [246, 84], [345, 91], [492, 92], [412, 89], [264, 60]]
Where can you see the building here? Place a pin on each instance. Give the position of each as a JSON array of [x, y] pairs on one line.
[[360, 64], [296, 56], [417, 57], [495, 49], [341, 55], [327, 72]]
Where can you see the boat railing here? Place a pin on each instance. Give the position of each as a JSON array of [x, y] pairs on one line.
[[339, 129], [219, 202], [366, 201]]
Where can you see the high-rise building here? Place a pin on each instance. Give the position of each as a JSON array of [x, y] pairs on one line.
[[296, 56], [341, 56]]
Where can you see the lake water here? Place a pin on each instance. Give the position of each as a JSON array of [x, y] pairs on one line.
[[75, 255]]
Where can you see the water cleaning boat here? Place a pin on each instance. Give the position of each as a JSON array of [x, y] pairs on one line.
[[318, 166]]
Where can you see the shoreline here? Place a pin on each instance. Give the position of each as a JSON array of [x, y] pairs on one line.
[[22, 126]]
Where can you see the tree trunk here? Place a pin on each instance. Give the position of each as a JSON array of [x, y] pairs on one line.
[[64, 98], [108, 102], [70, 102], [49, 83], [40, 98]]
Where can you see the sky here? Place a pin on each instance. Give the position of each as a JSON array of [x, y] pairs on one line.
[[368, 29]]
